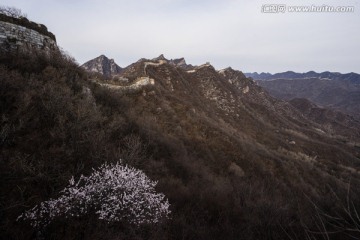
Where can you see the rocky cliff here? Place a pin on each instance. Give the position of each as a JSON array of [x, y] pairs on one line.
[[17, 34]]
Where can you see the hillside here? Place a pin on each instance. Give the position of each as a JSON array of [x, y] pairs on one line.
[[232, 160], [332, 120]]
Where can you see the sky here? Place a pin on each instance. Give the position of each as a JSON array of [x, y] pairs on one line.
[[223, 32]]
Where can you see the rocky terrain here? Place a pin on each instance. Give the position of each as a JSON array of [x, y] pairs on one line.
[[103, 65], [20, 34]]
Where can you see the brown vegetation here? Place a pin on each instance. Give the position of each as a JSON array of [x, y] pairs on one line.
[[226, 177]]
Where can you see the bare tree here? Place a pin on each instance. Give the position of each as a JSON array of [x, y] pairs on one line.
[[345, 220], [134, 150], [12, 12]]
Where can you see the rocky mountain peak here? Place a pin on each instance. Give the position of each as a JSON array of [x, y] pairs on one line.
[[177, 62], [181, 62], [230, 73], [161, 57], [103, 65]]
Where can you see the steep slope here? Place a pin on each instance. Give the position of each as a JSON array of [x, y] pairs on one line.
[[234, 162], [230, 103], [221, 119], [102, 65]]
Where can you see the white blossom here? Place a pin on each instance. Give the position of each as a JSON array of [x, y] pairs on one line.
[[114, 192]]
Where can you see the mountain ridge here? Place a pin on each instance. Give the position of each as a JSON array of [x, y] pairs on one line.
[[340, 92], [351, 77]]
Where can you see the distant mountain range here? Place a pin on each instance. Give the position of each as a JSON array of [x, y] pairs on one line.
[[332, 90], [351, 77]]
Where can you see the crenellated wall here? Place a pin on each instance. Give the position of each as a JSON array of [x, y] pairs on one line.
[[16, 37]]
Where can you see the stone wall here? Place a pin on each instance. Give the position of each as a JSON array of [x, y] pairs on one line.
[[15, 37]]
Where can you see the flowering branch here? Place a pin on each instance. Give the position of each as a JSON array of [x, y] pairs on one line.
[[114, 192]]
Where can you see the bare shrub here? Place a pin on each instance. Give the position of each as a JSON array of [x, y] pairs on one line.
[[134, 150], [343, 220], [12, 12]]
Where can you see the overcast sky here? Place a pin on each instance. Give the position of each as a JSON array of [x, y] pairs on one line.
[[224, 32]]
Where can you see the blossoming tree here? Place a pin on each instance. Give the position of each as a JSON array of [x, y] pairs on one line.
[[114, 192]]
